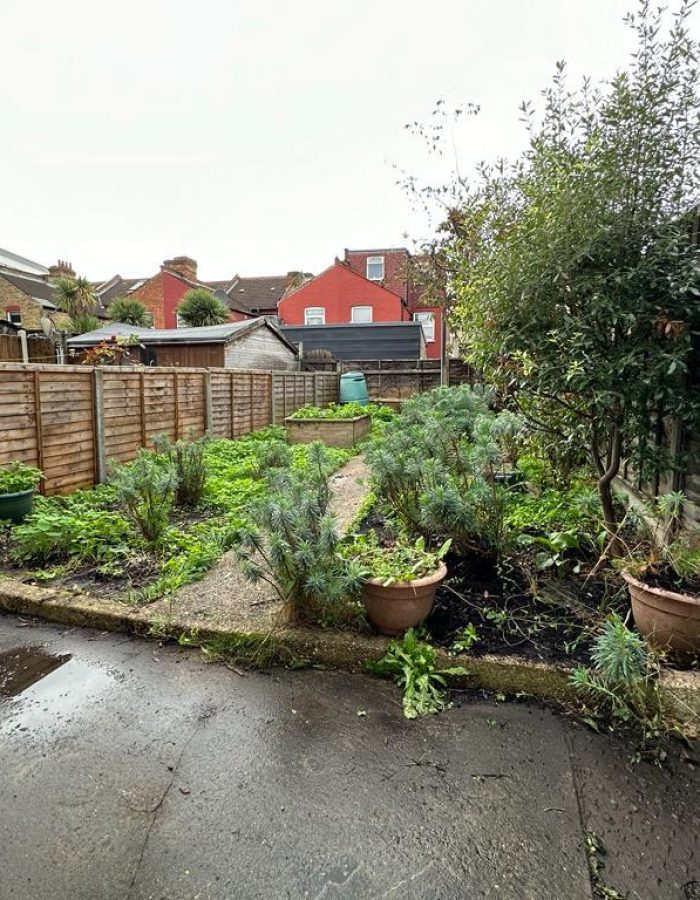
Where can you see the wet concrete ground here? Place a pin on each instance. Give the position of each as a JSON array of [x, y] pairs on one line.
[[133, 771]]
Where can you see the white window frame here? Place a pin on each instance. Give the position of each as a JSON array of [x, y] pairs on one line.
[[180, 322], [375, 261], [426, 318], [14, 312], [355, 309], [314, 312]]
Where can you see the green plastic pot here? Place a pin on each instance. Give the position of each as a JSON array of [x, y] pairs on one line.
[[16, 507]]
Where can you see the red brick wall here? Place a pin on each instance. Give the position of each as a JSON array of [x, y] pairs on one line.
[[337, 290], [396, 268], [433, 350], [151, 295], [162, 295]]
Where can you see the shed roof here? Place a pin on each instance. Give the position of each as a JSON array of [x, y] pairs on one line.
[[207, 334]]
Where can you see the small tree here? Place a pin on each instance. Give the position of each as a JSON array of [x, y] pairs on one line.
[[575, 279], [81, 323], [129, 311], [200, 307], [74, 296]]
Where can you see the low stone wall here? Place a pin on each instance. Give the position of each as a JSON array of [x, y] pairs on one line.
[[344, 433]]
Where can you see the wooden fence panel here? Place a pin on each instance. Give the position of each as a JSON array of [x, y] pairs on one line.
[[73, 421]]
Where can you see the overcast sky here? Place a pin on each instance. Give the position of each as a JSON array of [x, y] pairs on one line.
[[258, 137]]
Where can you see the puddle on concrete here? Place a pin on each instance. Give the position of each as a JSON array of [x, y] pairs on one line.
[[41, 689], [22, 667]]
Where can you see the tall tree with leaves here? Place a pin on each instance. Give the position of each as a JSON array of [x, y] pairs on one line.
[[200, 307], [576, 282]]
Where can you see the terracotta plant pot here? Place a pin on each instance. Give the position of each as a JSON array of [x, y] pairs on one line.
[[394, 608], [667, 619]]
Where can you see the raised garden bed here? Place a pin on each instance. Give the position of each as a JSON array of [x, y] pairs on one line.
[[342, 433]]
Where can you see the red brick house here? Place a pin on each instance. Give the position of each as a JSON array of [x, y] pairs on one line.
[[367, 286], [246, 298], [161, 294]]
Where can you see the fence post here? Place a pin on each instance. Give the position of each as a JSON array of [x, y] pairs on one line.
[[315, 388], [231, 413], [39, 429], [208, 409], [272, 398], [251, 379], [99, 406], [177, 405]]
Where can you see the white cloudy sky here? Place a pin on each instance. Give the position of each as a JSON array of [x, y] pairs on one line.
[[257, 137]]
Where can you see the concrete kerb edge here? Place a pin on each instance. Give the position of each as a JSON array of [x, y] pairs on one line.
[[509, 675]]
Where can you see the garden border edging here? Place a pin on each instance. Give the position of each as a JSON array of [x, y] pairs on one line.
[[333, 649]]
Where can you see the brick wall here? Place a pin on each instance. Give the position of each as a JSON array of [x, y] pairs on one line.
[[337, 290], [30, 310]]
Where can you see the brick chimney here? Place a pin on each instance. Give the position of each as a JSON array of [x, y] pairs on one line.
[[61, 268], [184, 265]]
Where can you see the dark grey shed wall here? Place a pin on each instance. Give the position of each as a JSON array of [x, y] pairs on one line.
[[379, 341]]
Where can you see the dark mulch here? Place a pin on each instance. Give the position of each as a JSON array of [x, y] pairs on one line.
[[554, 626], [665, 577]]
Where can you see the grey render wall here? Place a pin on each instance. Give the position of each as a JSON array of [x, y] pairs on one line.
[[261, 349], [395, 340]]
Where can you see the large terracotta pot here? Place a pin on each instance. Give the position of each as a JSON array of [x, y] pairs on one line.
[[667, 619], [394, 608]]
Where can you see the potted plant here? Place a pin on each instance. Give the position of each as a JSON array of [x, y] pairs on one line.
[[399, 580], [18, 481], [665, 596]]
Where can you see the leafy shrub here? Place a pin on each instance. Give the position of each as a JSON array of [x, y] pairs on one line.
[[18, 476], [130, 311], [145, 490], [403, 561], [624, 680], [434, 465], [291, 543], [200, 307], [412, 664], [187, 461], [60, 529]]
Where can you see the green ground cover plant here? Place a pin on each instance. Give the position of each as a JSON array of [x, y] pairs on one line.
[[345, 411], [131, 535]]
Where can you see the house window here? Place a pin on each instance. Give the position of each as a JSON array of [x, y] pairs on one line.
[[314, 315], [14, 316], [375, 268], [427, 320], [361, 314], [179, 321]]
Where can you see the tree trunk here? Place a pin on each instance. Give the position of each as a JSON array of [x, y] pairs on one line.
[[607, 470], [609, 518]]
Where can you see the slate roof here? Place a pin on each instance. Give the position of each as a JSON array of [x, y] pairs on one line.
[[258, 294], [37, 288], [117, 286]]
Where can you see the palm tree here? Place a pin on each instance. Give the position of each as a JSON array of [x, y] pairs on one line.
[[130, 312], [200, 307], [74, 296]]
